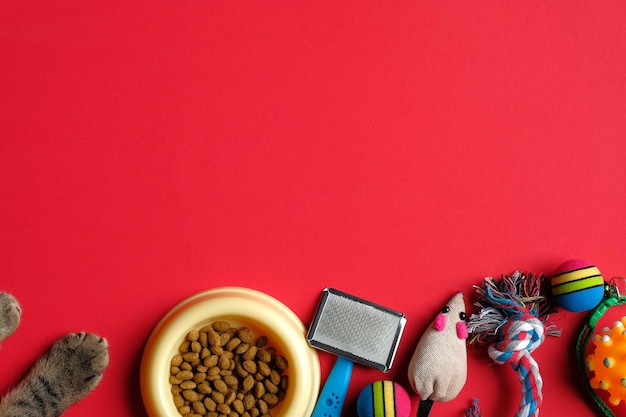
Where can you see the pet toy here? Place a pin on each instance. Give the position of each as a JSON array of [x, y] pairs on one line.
[[607, 363], [608, 360], [577, 285], [511, 320], [438, 368], [383, 399]]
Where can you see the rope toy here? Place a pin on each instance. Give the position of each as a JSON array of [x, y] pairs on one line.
[[519, 339], [474, 410], [511, 321]]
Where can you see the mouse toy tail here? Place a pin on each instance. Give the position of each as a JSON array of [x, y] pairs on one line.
[[423, 410]]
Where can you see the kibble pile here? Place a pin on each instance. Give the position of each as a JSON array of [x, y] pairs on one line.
[[223, 371]]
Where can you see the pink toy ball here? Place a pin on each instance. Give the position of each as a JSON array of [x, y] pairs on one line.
[[577, 285], [383, 399]]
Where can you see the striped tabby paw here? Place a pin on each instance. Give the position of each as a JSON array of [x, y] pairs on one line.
[[75, 364], [65, 375]]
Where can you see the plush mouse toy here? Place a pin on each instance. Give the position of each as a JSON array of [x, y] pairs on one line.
[[438, 368], [63, 376]]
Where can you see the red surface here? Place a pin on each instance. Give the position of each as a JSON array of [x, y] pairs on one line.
[[397, 150]]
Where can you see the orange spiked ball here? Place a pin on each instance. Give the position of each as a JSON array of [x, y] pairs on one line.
[[608, 361]]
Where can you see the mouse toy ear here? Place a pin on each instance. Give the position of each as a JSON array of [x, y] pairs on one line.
[[511, 322]]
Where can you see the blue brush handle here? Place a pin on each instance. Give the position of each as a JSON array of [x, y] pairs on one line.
[[330, 401]]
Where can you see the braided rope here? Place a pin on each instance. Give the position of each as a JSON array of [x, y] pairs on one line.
[[474, 410], [518, 339]]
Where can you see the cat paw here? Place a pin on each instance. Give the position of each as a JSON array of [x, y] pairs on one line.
[[63, 376], [78, 361], [10, 313]]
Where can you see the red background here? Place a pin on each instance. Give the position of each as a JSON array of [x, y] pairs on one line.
[[397, 150]]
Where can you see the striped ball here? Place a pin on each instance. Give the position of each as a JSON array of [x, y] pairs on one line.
[[383, 399], [577, 285]]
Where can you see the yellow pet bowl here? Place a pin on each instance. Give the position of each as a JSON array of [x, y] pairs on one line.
[[264, 315]]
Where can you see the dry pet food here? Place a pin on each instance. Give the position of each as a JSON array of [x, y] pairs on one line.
[[223, 371]]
